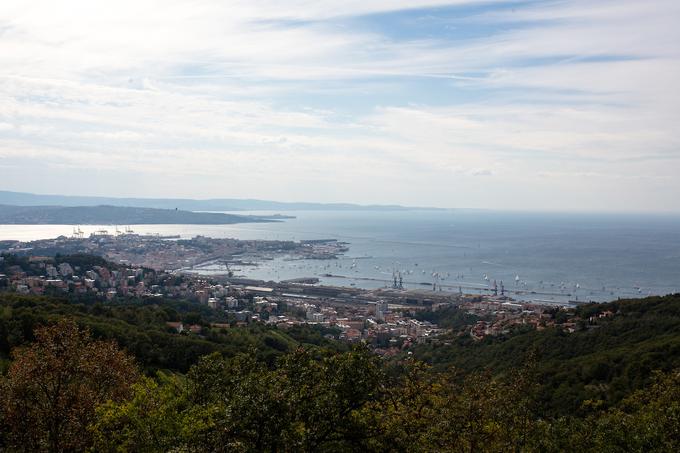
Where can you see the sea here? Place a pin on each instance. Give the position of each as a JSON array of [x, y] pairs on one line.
[[545, 257]]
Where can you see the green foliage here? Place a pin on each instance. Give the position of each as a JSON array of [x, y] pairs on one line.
[[352, 402], [140, 327], [153, 419], [257, 389], [608, 360], [303, 404], [54, 385], [646, 421], [11, 261], [85, 261], [447, 317]]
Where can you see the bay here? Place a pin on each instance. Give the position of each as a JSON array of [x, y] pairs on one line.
[[543, 256]]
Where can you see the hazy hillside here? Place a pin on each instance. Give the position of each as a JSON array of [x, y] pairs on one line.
[[222, 204], [109, 215]]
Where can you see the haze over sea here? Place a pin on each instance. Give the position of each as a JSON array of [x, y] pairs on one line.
[[557, 256]]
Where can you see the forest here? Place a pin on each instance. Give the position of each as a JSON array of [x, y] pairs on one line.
[[79, 376]]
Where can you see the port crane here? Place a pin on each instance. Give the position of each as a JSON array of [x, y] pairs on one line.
[[398, 280], [436, 276], [78, 233]]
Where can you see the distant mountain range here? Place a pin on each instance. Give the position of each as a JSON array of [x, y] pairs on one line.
[[217, 204], [116, 215]]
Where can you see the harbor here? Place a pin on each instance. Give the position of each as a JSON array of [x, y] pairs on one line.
[[553, 259]]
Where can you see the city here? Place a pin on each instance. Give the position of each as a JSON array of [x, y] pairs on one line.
[[390, 320]]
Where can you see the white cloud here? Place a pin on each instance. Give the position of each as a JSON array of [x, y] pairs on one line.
[[556, 92]]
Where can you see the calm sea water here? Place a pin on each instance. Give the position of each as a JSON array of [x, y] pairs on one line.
[[545, 256]]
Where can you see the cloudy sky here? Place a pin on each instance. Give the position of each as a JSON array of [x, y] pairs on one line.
[[560, 105]]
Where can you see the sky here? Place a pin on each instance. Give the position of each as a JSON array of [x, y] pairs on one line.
[[518, 105]]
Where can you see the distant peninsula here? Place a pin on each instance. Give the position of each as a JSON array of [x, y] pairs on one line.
[[216, 204], [117, 215]]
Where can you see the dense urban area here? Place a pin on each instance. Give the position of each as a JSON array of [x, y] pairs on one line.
[[110, 267]]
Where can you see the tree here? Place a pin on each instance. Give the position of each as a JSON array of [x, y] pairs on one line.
[[646, 421], [155, 418], [53, 387], [306, 403]]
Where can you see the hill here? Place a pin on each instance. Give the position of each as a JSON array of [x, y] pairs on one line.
[[613, 352], [140, 327], [278, 397], [114, 215], [216, 204]]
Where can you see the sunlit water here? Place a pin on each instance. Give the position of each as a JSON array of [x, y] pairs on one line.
[[557, 256]]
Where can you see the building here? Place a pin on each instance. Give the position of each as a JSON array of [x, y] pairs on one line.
[[381, 309]]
